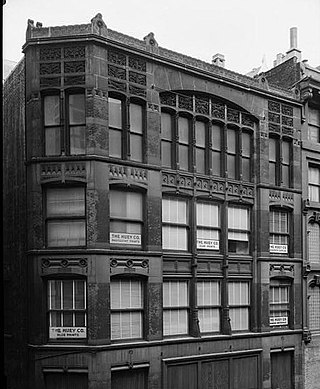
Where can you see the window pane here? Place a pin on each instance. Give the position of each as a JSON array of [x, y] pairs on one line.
[[246, 150], [238, 218], [136, 147], [200, 161], [216, 137], [216, 169], [183, 126], [314, 242], [136, 123], [313, 133], [175, 322], [208, 293], [272, 173], [126, 325], [66, 233], [246, 169], [231, 166], [314, 116], [52, 141], [79, 290], [51, 110], [231, 140], [77, 109], [314, 175], [200, 129], [286, 152], [166, 158], [209, 319], [115, 147], [239, 319], [166, 126], [184, 157], [115, 113], [272, 150], [54, 294], [126, 294], [77, 140], [65, 202], [207, 215], [175, 293], [67, 288], [125, 205], [174, 238]]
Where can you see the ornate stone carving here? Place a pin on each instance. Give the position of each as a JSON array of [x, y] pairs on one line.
[[202, 106], [287, 121], [74, 67], [115, 71], [74, 52], [124, 265], [64, 262], [185, 102], [273, 106], [218, 110], [273, 117], [137, 78], [286, 110], [63, 170], [281, 270], [132, 173], [117, 57], [46, 82], [246, 120], [168, 98], [233, 115], [287, 131], [74, 80], [137, 91], [274, 128], [50, 54], [50, 68], [116, 85], [137, 64]]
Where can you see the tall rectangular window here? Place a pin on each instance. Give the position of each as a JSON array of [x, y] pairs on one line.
[[67, 309], [208, 226], [136, 132], [166, 139], [314, 243], [216, 138], [115, 127], [200, 135], [208, 301], [286, 150], [273, 156], [52, 126], [246, 156], [314, 183], [126, 309], [183, 144], [238, 230], [65, 217], [279, 303], [175, 225], [279, 231], [126, 217], [175, 307], [231, 153], [239, 304], [77, 123]]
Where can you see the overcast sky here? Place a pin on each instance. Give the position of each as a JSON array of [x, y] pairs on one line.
[[243, 30]]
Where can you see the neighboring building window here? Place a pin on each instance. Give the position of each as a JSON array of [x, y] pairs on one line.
[[279, 231], [125, 130], [314, 125], [52, 125], [314, 183], [166, 139], [208, 301], [208, 226], [67, 309], [314, 308], [175, 307], [65, 216], [239, 304], [126, 309], [314, 243], [280, 159], [175, 226], [279, 303], [67, 136], [238, 230], [126, 217]]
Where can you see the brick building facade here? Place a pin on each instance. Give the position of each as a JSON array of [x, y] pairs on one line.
[[163, 213]]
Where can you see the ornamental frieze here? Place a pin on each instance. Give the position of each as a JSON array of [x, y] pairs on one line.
[[62, 171], [128, 173]]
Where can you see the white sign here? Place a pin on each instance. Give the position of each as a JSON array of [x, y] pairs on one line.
[[123, 238], [278, 320], [279, 248], [67, 332], [207, 244]]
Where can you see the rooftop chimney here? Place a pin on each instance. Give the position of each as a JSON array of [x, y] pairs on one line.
[[218, 60], [293, 51]]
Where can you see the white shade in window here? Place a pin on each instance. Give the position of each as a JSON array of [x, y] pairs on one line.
[[51, 110], [77, 109], [125, 205], [175, 322], [166, 126], [238, 218], [175, 293], [136, 118], [174, 238], [314, 242], [238, 293], [65, 202], [126, 294], [66, 233], [278, 222], [174, 211], [208, 293], [239, 318], [115, 113], [183, 126], [207, 215]]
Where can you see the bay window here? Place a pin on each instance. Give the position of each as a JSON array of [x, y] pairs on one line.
[[126, 125], [238, 230], [175, 224], [67, 309], [280, 159], [126, 309], [314, 183], [64, 136], [126, 217], [65, 216], [239, 304], [175, 307], [208, 302]]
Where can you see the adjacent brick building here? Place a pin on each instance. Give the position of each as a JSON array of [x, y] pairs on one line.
[[163, 206]]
